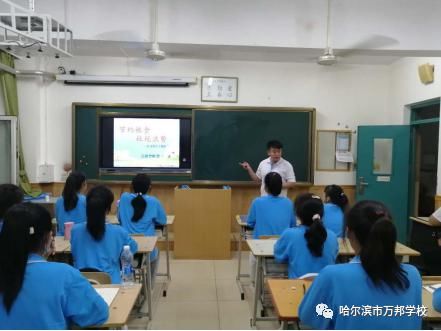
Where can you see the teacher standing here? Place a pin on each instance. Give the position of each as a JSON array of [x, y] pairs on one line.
[[274, 163]]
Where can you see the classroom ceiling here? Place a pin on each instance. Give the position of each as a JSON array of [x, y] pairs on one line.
[[361, 31]]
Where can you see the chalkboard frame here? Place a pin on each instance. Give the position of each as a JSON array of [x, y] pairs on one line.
[[193, 108]]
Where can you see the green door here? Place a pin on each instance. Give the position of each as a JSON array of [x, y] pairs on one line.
[[383, 164]]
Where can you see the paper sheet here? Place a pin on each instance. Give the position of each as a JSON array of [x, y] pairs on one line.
[[431, 288], [108, 294], [437, 215], [344, 157], [266, 246]]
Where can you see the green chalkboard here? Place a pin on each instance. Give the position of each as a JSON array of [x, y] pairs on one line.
[[223, 138]]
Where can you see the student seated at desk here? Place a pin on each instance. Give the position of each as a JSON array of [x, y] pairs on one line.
[[309, 247], [270, 215], [96, 244], [35, 293], [10, 195], [138, 212], [335, 206], [71, 206], [373, 278]]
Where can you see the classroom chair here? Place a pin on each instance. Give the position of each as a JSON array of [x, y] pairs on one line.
[[97, 277]]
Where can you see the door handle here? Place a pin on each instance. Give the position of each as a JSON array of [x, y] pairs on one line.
[[361, 185]]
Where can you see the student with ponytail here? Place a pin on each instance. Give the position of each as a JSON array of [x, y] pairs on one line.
[[35, 293], [309, 247], [96, 244], [71, 206], [138, 212], [336, 202], [373, 278]]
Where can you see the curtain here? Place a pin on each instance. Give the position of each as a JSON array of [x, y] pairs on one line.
[[8, 84]]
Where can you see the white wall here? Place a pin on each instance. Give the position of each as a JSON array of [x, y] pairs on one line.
[[349, 95], [407, 89]]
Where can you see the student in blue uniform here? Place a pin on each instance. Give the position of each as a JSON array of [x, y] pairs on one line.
[[71, 206], [138, 212], [10, 195], [309, 247], [97, 244], [35, 293], [335, 206], [373, 278], [270, 215]]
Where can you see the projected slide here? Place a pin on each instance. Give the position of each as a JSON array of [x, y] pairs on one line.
[[146, 142]]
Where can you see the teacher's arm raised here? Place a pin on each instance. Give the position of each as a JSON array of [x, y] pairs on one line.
[[251, 172]]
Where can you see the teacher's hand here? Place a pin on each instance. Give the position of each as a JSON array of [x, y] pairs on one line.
[[245, 165]]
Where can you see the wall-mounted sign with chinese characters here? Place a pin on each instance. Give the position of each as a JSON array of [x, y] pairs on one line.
[[219, 89]]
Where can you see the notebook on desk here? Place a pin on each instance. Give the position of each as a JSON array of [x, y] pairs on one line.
[[108, 293]]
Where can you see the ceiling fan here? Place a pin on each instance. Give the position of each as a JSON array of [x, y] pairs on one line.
[[328, 57], [155, 53]]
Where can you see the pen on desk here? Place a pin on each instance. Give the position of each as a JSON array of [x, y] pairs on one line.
[[304, 289]]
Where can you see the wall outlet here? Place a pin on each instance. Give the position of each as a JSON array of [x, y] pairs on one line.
[[46, 173]]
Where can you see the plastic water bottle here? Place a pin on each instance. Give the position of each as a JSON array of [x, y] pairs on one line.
[[126, 266]]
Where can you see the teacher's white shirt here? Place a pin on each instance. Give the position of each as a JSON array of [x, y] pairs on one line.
[[282, 167]]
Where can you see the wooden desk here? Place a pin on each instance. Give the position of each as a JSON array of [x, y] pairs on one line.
[[287, 294], [345, 249], [145, 246], [113, 219], [261, 249], [121, 306], [425, 220]]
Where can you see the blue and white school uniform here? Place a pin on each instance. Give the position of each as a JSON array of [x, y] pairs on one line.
[[76, 215], [344, 286], [333, 218], [154, 213], [293, 248], [53, 296], [270, 216], [103, 255]]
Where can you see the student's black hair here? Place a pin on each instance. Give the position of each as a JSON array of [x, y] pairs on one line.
[[274, 144], [10, 195], [309, 209], [73, 185], [273, 183], [140, 185], [25, 230], [371, 223], [337, 196], [98, 203]]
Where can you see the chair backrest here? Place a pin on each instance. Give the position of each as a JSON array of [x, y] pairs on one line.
[[269, 237], [97, 277]]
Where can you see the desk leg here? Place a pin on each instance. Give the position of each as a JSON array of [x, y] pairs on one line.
[[239, 251], [148, 280], [168, 253], [258, 289]]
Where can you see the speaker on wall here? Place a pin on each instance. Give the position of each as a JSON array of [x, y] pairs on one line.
[[426, 73]]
